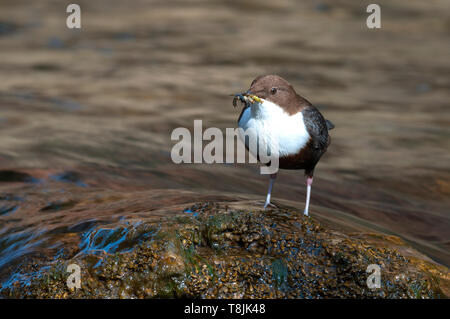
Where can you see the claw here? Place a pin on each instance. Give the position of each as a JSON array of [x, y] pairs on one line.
[[270, 205]]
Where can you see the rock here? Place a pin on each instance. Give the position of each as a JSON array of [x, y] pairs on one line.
[[225, 253]]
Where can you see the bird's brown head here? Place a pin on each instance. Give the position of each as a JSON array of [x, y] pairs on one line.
[[277, 90]]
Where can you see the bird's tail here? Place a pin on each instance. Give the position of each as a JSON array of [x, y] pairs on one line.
[[330, 125]]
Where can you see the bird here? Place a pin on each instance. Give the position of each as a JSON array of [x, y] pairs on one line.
[[280, 117]]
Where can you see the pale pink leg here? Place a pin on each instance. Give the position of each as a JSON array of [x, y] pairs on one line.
[[309, 181], [272, 181]]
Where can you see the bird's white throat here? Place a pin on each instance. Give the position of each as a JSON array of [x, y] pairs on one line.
[[275, 128]]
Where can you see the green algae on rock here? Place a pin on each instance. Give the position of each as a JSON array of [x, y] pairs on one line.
[[219, 252]]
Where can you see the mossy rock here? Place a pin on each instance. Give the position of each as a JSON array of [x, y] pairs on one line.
[[218, 252]]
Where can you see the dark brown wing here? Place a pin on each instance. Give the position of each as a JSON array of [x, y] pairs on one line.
[[317, 128]]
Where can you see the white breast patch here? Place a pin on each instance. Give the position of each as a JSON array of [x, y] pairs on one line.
[[274, 128]]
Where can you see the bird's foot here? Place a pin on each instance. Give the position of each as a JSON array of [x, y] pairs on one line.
[[270, 205], [305, 213]]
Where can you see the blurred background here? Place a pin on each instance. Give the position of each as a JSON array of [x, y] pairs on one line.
[[86, 115]]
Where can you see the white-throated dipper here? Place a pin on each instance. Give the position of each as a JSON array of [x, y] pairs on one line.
[[282, 119]]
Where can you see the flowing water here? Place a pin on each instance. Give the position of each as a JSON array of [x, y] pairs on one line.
[[86, 116]]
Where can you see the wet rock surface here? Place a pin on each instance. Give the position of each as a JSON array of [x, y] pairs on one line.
[[213, 250]]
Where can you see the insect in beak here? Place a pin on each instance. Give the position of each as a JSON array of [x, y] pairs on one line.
[[245, 98]]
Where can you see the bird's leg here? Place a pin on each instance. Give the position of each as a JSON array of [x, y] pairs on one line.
[[272, 181], [309, 181]]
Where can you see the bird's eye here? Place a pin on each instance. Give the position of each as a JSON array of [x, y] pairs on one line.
[[273, 90]]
